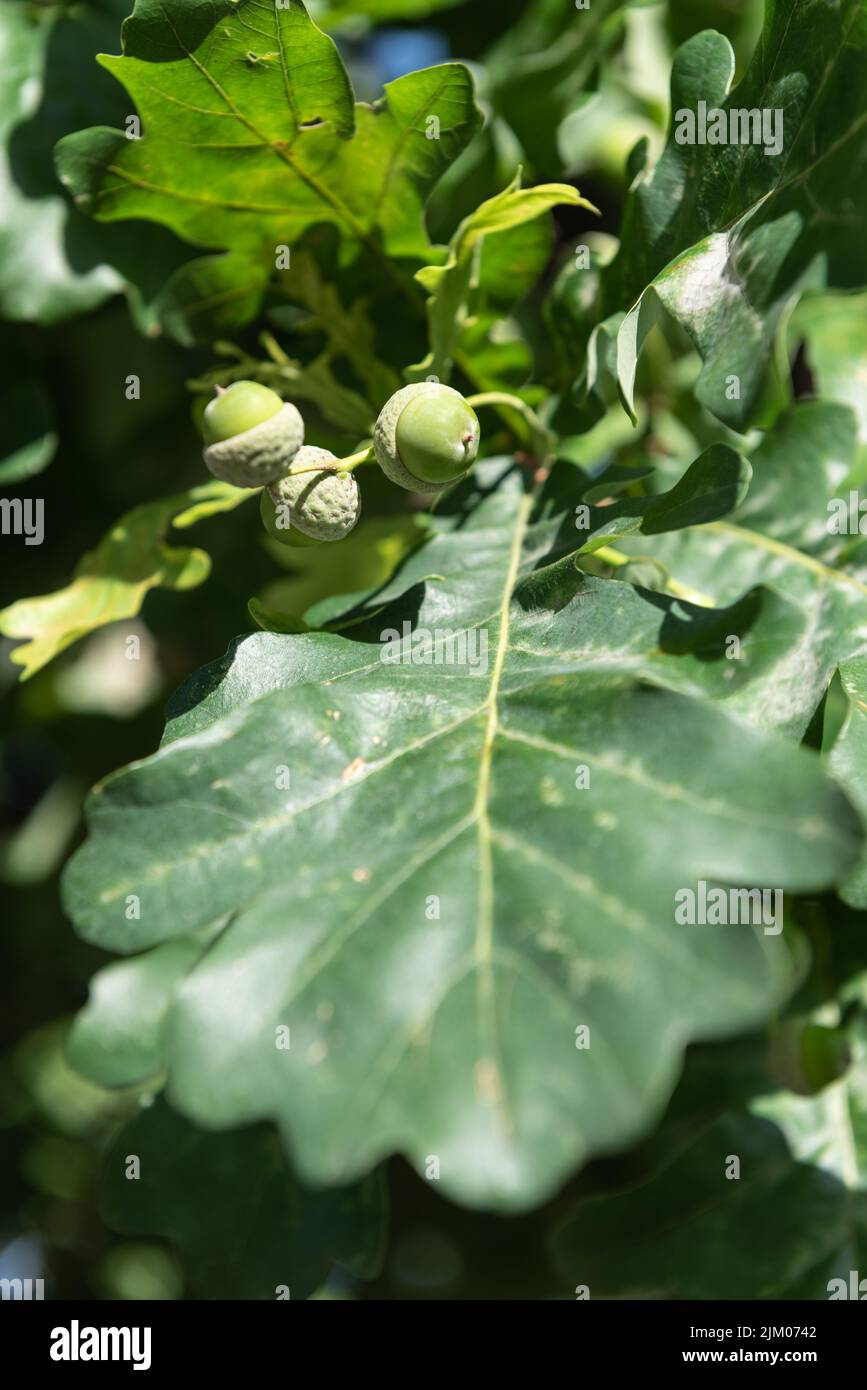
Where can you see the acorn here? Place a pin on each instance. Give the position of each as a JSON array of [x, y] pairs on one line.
[[251, 435], [321, 506], [426, 437]]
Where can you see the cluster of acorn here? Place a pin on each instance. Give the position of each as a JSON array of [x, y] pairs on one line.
[[426, 437]]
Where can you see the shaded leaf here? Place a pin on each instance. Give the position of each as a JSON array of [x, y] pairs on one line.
[[55, 261], [791, 1221], [835, 329], [711, 487], [363, 563], [229, 1203], [780, 537], [40, 277], [811, 64], [29, 440], [848, 761]]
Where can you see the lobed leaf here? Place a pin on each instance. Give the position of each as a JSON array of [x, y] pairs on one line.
[[251, 135], [428, 902]]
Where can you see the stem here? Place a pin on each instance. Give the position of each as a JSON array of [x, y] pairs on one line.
[[354, 460], [616, 558], [274, 350], [345, 465], [543, 438]]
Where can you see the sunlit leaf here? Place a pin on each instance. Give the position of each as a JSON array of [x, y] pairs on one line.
[[111, 582]]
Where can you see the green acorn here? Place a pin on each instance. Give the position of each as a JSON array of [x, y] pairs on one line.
[[277, 522], [322, 506], [426, 437], [251, 435]]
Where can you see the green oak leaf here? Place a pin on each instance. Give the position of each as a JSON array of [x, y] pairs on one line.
[[228, 1202], [116, 1039], [333, 14], [793, 1221], [540, 66], [711, 487], [416, 887], [368, 557], [780, 536], [54, 261], [725, 237], [848, 760], [529, 78], [111, 582], [781, 1231], [42, 277], [250, 134], [730, 294], [450, 285], [30, 440], [834, 327], [811, 64], [207, 298]]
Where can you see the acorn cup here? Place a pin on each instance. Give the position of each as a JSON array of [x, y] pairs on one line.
[[319, 506]]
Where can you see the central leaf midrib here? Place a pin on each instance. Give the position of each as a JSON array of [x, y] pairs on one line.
[[484, 939]]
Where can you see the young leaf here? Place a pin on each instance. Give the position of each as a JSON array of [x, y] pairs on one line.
[[449, 285], [112, 581]]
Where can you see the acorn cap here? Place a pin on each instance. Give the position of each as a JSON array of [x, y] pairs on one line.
[[385, 434], [260, 455], [324, 505]]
